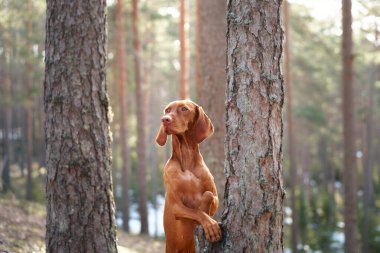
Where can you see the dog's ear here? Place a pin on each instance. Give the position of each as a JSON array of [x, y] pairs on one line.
[[202, 127], [161, 136]]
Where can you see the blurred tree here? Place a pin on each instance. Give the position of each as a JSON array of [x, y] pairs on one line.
[[211, 55], [141, 134], [80, 205], [6, 110], [291, 143], [183, 75], [121, 78], [349, 174], [29, 105], [253, 215]]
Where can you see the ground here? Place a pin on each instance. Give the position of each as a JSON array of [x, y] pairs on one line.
[[22, 230]]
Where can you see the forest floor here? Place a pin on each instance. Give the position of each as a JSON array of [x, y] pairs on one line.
[[22, 230]]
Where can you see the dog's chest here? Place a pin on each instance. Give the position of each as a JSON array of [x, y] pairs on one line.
[[191, 190]]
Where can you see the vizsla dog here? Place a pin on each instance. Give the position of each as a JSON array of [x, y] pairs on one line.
[[191, 196]]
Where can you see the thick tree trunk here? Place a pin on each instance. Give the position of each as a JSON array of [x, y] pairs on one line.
[[183, 75], [141, 146], [291, 142], [80, 205], [121, 79], [349, 174], [253, 217], [212, 27]]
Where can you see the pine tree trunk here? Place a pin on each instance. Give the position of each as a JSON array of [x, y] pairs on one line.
[[80, 205], [121, 79], [29, 112], [5, 172], [291, 146], [368, 163], [212, 27], [253, 215], [183, 82], [141, 146], [349, 174]]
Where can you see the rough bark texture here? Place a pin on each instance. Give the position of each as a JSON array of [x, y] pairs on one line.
[[291, 146], [253, 217], [183, 82], [211, 91], [349, 174], [80, 205], [141, 136], [122, 80]]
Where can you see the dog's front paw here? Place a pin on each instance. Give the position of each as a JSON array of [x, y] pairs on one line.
[[212, 229]]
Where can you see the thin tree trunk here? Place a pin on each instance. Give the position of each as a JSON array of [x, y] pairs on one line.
[[121, 79], [253, 216], [29, 112], [80, 205], [368, 163], [183, 82], [141, 146], [212, 64], [349, 174], [5, 173], [291, 143]]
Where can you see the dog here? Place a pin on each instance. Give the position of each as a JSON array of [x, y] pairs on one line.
[[191, 197]]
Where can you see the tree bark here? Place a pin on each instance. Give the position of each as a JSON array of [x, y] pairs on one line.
[[141, 143], [212, 27], [349, 175], [121, 79], [253, 216], [80, 205], [183, 75], [291, 142]]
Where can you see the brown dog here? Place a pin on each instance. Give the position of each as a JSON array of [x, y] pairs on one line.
[[191, 196]]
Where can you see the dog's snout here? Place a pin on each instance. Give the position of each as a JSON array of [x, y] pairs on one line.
[[166, 120]]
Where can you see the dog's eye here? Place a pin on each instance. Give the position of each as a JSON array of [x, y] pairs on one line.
[[184, 109], [167, 110]]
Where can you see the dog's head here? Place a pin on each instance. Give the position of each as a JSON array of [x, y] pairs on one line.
[[184, 116]]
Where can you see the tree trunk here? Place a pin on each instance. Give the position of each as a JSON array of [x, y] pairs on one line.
[[253, 215], [368, 163], [212, 27], [80, 204], [291, 143], [183, 82], [141, 146], [5, 173], [349, 174], [121, 79], [29, 111]]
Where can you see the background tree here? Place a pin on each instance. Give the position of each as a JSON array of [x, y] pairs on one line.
[[290, 136], [121, 79], [141, 135], [254, 195], [350, 216], [183, 74], [211, 48], [80, 205]]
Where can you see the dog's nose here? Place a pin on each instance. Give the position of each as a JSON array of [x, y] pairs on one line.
[[166, 120]]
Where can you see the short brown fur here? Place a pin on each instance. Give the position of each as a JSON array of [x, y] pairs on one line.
[[191, 196]]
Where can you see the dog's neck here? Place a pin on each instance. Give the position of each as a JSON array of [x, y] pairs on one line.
[[185, 151]]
